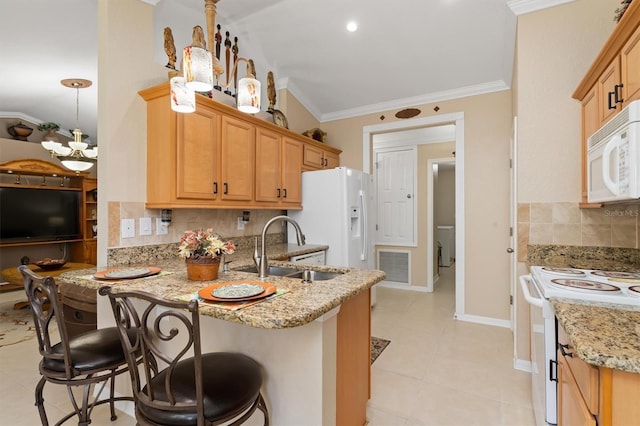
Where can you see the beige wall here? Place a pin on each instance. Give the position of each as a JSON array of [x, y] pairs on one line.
[[444, 207], [487, 121]]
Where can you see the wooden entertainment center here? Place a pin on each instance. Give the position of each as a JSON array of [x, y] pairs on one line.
[[38, 174]]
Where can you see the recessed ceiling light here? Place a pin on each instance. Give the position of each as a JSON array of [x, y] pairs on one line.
[[352, 26]]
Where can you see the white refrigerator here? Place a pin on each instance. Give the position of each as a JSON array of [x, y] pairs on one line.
[[337, 206]]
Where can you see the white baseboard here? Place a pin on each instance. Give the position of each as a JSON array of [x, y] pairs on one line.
[[402, 286], [484, 320]]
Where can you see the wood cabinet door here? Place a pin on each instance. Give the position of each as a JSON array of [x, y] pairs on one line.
[[630, 64], [606, 91], [331, 160], [572, 409], [197, 155], [238, 159], [313, 157], [268, 155], [590, 123], [291, 171]]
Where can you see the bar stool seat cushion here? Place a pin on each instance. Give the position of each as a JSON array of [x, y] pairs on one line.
[[231, 381]]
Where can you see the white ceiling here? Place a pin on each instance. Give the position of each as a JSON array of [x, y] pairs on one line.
[[405, 53]]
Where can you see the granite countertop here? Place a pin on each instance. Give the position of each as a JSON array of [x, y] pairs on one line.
[[301, 304], [603, 335]]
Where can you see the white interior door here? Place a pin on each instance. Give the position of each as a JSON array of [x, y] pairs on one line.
[[395, 178]]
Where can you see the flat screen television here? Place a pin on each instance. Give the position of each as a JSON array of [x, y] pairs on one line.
[[33, 215]]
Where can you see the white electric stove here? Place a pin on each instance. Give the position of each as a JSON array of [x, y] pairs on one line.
[[588, 284], [621, 288]]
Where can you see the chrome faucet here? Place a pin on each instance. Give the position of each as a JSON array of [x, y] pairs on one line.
[[263, 263]]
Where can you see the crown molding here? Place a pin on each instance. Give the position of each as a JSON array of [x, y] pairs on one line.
[[462, 92], [521, 7]]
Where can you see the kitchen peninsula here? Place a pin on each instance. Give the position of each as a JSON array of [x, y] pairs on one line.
[[313, 341]]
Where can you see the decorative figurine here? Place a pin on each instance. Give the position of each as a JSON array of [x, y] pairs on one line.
[[271, 92], [198, 37], [169, 48]]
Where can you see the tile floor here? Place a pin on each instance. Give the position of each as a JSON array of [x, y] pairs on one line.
[[439, 371], [436, 371]]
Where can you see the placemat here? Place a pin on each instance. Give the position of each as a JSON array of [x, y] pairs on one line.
[[231, 305]]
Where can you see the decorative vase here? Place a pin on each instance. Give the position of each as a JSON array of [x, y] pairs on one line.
[[20, 131], [202, 268], [51, 135]]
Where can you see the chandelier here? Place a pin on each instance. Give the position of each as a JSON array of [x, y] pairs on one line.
[[77, 156]]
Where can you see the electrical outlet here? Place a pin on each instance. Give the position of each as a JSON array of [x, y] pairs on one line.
[[145, 226], [161, 227], [127, 228], [240, 223]]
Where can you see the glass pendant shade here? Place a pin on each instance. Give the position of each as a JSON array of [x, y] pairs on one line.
[[76, 165], [183, 99], [249, 95], [197, 69]]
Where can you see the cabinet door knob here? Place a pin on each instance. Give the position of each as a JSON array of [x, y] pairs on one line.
[[215, 187], [226, 188], [278, 192], [509, 250], [285, 193]]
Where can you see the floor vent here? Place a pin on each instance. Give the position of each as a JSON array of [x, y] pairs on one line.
[[395, 264]]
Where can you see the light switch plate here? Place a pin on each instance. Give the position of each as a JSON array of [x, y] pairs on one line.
[[145, 226], [127, 228], [240, 223], [161, 227]]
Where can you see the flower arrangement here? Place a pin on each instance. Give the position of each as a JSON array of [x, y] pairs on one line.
[[203, 243], [624, 4]]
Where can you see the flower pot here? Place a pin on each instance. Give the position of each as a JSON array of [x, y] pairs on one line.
[[202, 268]]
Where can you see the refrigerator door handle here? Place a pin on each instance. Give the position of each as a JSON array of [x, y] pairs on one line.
[[363, 225]]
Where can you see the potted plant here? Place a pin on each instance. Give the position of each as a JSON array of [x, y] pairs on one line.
[[50, 128], [202, 250]]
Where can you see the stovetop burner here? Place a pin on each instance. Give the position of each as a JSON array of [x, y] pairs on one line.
[[614, 274], [585, 285], [568, 272]]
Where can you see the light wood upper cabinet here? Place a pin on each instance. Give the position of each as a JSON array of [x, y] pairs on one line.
[[317, 158], [291, 171], [611, 83], [221, 158], [238, 159], [198, 155], [278, 168], [630, 67], [609, 93]]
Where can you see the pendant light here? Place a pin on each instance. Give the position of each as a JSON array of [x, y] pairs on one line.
[[77, 156]]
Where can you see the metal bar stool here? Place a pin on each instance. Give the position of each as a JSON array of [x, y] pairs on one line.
[[91, 358], [193, 388]]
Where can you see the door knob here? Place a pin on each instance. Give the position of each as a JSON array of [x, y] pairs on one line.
[[509, 250], [408, 195]]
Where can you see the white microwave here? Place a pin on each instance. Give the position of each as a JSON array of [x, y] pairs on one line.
[[613, 158]]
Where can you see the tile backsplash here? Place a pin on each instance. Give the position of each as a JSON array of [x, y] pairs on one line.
[[223, 222], [568, 224]]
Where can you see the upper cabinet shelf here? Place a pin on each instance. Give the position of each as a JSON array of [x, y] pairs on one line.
[[219, 157]]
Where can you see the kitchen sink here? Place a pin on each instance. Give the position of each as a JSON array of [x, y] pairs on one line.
[[273, 270], [280, 271]]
